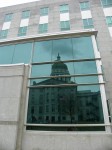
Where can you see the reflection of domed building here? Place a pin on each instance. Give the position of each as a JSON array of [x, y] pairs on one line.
[[59, 68], [62, 104]]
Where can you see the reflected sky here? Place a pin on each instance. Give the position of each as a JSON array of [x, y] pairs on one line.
[[72, 48], [64, 48], [42, 51], [82, 48], [6, 54], [22, 53]]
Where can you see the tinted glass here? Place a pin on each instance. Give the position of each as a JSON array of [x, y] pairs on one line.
[[64, 80], [43, 28], [8, 17], [82, 48], [55, 69], [3, 34], [6, 54], [84, 5], [64, 8], [63, 47], [107, 2], [109, 20], [65, 105], [22, 53], [22, 31], [42, 51], [64, 25], [44, 11], [25, 14]]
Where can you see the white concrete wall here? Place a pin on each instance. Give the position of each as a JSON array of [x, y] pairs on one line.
[[66, 141], [11, 83]]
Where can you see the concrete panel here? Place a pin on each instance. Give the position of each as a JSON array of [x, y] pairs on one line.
[[9, 109], [8, 137], [10, 87], [66, 141]]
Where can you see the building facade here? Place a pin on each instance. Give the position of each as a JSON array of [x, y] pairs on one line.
[[55, 75]]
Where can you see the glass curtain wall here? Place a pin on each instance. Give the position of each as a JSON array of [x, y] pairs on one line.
[[64, 86]]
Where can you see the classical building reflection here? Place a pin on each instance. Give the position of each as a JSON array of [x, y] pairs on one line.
[[64, 104]]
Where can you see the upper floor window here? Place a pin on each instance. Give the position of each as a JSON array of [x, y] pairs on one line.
[[44, 11], [64, 8], [88, 23], [43, 28], [3, 34], [25, 14], [109, 20], [85, 5], [106, 3], [8, 17], [22, 31], [64, 25]]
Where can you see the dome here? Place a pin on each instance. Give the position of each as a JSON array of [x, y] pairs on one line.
[[59, 65], [59, 68]]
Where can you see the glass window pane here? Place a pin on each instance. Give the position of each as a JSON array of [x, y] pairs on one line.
[[41, 70], [25, 14], [3, 34], [64, 25], [82, 48], [64, 80], [88, 23], [85, 5], [8, 17], [22, 31], [109, 20], [44, 11], [107, 3], [22, 53], [63, 48], [43, 28], [86, 80], [6, 54], [87, 67], [67, 104], [64, 8], [40, 48], [55, 69]]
